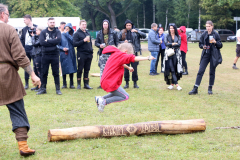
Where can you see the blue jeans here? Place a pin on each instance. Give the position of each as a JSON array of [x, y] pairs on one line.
[[153, 62]]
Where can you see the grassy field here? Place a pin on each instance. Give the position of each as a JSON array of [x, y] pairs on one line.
[[151, 102]]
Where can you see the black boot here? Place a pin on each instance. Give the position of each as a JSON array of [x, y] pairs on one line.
[[58, 89], [99, 87], [42, 90], [64, 84], [127, 85], [210, 90], [71, 81], [26, 84], [86, 86], [35, 88], [79, 84], [185, 73], [135, 85], [194, 91]]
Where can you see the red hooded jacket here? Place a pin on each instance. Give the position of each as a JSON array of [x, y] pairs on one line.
[[113, 72], [183, 35]]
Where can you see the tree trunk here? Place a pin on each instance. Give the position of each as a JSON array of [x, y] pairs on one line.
[[112, 16], [153, 12], [143, 16], [144, 128], [188, 15], [166, 19], [199, 19], [137, 21], [93, 20]]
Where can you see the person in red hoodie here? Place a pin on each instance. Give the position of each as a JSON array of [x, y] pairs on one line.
[[183, 47], [112, 76]]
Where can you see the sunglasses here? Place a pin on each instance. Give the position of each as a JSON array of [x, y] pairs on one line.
[[171, 24], [7, 14]]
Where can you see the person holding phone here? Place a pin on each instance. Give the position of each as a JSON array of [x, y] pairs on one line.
[[211, 44], [67, 55]]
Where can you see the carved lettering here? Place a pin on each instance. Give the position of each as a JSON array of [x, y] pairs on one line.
[[148, 128], [109, 131]]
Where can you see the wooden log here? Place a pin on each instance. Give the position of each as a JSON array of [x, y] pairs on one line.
[[144, 128]]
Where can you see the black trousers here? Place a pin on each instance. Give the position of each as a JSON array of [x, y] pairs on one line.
[[134, 73], [18, 115], [65, 78], [54, 61], [161, 52], [84, 62], [29, 55], [184, 60], [34, 65], [172, 63], [38, 65], [207, 57]]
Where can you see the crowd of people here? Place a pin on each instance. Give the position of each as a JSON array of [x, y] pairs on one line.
[[118, 56]]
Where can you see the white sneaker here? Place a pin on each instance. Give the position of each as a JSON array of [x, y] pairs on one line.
[[100, 104], [96, 99], [179, 88], [170, 87]]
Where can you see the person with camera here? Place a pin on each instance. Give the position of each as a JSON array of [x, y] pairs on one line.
[[37, 53], [67, 55], [26, 41], [131, 35], [82, 40], [172, 63], [49, 39], [105, 37]]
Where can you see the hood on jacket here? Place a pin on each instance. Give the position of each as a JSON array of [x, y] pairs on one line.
[[183, 28], [110, 49], [105, 20], [70, 26], [128, 21]]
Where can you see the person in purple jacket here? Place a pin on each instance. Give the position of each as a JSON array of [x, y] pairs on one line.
[[161, 47]]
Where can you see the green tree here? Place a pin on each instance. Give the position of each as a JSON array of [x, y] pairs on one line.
[[43, 8]]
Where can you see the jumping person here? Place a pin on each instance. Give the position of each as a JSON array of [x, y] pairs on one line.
[[12, 91], [211, 44], [237, 50], [67, 55], [172, 65], [132, 35], [105, 37], [113, 73]]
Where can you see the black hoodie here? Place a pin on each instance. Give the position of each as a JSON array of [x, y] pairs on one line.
[[53, 39]]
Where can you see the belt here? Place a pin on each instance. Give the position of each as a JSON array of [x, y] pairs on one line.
[[2, 62]]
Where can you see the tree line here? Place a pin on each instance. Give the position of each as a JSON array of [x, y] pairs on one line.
[[190, 13]]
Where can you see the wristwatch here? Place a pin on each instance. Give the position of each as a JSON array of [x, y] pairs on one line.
[[149, 58]]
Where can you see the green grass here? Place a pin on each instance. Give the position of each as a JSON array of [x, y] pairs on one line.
[[151, 102]]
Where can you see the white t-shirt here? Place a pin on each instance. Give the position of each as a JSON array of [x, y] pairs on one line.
[[28, 39], [238, 35]]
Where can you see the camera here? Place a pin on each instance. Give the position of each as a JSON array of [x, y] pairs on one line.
[[32, 30]]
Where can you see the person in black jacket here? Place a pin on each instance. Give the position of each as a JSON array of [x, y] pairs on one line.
[[37, 53], [131, 35], [105, 37], [49, 39], [211, 44], [82, 40], [26, 41]]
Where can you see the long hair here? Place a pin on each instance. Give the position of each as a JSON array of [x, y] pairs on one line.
[[124, 32], [175, 29]]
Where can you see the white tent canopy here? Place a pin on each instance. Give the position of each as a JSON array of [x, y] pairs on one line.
[[18, 23]]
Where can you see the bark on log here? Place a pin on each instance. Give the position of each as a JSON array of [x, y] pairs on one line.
[[144, 128]]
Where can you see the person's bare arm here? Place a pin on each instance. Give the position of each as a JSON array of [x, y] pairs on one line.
[[144, 58], [238, 38], [129, 68]]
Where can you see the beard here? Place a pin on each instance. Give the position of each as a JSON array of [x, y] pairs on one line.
[[105, 31], [52, 28]]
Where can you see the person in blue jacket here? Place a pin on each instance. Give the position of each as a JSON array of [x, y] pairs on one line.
[[162, 48], [67, 55]]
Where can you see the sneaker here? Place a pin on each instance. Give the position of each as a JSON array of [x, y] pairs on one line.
[[179, 88], [234, 67], [170, 87], [100, 104], [96, 99], [152, 74]]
